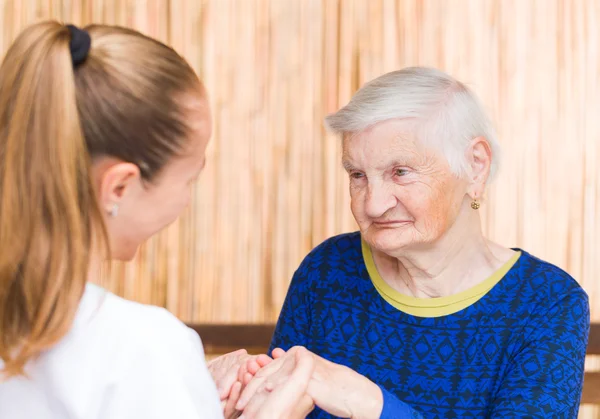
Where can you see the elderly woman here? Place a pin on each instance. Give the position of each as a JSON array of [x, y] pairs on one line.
[[419, 314]]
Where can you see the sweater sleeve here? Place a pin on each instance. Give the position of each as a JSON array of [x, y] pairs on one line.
[[393, 408], [545, 378]]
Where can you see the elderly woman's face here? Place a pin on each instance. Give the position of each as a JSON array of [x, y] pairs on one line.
[[402, 194]]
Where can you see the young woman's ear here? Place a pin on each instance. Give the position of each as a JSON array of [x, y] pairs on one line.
[[116, 181]]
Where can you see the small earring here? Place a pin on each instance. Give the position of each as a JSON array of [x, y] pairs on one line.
[[475, 204], [114, 211]]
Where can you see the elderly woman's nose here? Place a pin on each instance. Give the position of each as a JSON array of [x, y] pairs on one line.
[[379, 200]]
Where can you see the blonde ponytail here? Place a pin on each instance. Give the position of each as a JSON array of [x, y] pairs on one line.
[[47, 202]]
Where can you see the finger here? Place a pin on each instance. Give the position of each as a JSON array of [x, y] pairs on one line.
[[228, 381], [251, 388], [242, 372], [258, 379], [222, 364], [232, 376], [222, 388], [253, 366], [247, 378], [223, 391], [244, 368], [263, 360], [255, 405], [234, 396], [277, 353]]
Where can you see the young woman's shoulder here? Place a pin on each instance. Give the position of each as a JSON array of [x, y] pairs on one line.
[[154, 363], [115, 318]]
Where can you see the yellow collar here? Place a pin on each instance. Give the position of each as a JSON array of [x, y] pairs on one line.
[[432, 307]]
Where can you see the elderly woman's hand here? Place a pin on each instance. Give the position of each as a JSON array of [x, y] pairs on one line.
[[225, 371], [336, 389], [284, 395]]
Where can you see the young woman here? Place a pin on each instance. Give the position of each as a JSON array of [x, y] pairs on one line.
[[103, 132]]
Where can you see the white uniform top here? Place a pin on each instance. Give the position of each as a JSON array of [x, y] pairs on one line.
[[121, 360]]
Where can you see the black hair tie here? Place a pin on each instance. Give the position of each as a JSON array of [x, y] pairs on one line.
[[79, 45]]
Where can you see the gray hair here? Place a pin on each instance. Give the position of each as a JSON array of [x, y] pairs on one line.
[[445, 113]]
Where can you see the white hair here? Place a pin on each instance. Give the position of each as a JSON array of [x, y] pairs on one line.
[[444, 112]]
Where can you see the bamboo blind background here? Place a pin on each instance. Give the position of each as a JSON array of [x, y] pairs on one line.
[[274, 188]]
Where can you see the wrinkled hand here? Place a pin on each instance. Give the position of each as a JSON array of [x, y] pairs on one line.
[[251, 367], [335, 388], [225, 371], [279, 390]]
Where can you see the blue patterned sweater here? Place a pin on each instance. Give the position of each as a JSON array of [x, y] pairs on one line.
[[519, 351]]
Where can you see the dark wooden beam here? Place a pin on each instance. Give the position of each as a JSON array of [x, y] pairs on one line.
[[591, 381], [594, 341], [224, 338], [591, 388]]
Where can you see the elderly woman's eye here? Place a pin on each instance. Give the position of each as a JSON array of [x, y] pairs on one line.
[[356, 175], [400, 172]]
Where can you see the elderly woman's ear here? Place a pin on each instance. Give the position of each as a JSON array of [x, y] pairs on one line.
[[479, 160]]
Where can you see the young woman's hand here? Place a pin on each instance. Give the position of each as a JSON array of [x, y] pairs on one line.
[[225, 371]]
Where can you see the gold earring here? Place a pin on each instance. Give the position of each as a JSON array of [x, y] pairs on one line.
[[475, 204]]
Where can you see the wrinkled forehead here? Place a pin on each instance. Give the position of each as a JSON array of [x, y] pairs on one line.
[[390, 141]]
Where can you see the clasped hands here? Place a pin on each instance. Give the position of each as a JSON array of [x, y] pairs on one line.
[[289, 385]]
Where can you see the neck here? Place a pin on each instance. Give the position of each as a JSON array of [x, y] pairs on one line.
[[98, 260], [459, 260]]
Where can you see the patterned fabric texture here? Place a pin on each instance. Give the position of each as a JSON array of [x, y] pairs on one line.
[[517, 352]]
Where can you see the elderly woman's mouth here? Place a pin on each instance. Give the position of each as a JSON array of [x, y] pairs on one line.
[[390, 224]]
